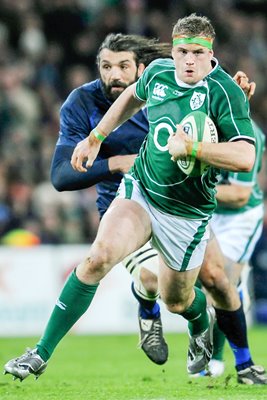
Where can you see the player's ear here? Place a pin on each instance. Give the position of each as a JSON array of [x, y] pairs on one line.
[[140, 69]]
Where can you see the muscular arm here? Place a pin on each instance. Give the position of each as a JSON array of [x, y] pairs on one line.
[[233, 195], [63, 177], [231, 156]]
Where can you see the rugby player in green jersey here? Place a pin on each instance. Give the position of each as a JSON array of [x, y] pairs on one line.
[[171, 90], [157, 201], [237, 224]]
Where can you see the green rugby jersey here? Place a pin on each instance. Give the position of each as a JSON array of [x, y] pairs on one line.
[[168, 101], [247, 178]]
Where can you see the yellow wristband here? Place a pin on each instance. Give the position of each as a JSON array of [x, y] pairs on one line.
[[99, 135]]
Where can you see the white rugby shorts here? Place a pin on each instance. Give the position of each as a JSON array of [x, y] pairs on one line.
[[180, 241], [238, 233]]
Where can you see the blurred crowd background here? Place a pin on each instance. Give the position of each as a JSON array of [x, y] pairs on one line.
[[47, 48]]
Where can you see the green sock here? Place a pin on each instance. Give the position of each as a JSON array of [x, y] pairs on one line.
[[197, 314], [73, 301], [218, 343]]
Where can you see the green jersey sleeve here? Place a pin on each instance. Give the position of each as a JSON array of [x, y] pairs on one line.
[[142, 85], [230, 108], [248, 178], [140, 89]]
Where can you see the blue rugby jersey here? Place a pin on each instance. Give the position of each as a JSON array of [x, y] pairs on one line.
[[79, 114]]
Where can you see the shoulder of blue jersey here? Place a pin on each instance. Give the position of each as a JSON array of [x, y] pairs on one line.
[[200, 128]]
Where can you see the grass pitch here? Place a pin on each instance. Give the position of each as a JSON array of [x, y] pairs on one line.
[[112, 368]]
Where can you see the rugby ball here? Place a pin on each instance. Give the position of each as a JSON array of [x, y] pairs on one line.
[[200, 128]]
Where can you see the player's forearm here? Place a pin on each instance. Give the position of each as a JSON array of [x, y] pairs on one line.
[[231, 156], [121, 163], [64, 178], [233, 196], [121, 110]]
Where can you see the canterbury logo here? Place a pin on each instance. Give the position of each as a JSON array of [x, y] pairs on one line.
[[159, 91], [61, 305]]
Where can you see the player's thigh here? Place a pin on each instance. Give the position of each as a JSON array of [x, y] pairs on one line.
[[124, 228], [180, 241]]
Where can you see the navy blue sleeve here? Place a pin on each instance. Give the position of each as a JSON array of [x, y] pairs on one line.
[[64, 177], [75, 118]]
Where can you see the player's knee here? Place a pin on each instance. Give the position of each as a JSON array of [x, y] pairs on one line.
[[176, 308], [175, 304], [210, 274], [209, 280], [93, 268], [100, 261]]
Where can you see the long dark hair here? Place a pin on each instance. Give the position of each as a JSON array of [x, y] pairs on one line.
[[145, 50]]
